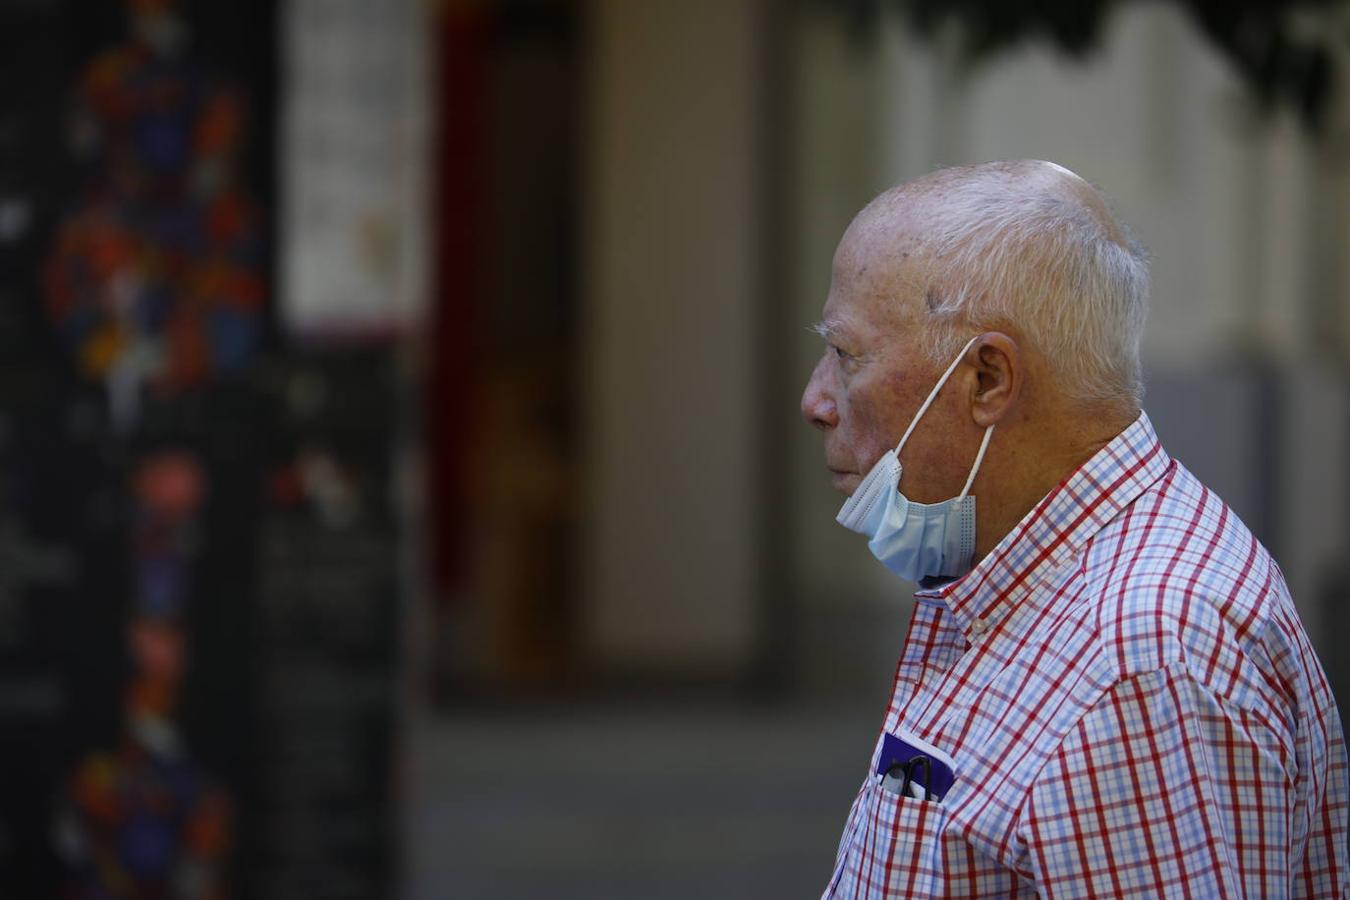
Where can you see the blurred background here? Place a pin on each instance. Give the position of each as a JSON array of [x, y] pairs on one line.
[[402, 489]]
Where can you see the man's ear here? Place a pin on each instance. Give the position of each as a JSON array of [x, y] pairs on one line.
[[999, 373]]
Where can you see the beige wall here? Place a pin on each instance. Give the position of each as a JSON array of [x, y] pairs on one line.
[[670, 297]]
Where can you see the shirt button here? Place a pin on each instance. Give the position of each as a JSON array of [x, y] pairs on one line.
[[979, 626]]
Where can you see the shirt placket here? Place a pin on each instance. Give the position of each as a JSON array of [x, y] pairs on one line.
[[933, 647]]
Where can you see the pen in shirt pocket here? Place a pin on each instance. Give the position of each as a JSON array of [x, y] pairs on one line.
[[910, 766]]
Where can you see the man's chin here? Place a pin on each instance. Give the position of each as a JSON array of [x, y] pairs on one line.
[[844, 482]]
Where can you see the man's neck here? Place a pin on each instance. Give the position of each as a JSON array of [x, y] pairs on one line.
[[1025, 477]]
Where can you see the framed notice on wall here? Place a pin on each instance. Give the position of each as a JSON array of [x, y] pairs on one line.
[[353, 168]]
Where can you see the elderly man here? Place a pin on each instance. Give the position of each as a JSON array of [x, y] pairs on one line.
[[1105, 689]]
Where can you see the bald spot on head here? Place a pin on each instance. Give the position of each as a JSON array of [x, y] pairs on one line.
[[884, 246], [900, 209]]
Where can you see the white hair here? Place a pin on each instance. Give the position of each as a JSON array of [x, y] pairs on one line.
[[1075, 283]]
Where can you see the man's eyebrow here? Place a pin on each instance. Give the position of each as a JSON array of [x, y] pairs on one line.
[[828, 329]]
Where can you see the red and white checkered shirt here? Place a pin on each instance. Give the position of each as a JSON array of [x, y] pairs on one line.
[[1131, 703]]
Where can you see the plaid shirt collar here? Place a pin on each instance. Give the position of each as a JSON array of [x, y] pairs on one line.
[[1056, 529]]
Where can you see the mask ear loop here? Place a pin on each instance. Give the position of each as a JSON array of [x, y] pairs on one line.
[[979, 458], [932, 395]]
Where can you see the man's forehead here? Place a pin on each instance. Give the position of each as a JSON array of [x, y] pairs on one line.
[[877, 273], [884, 240]]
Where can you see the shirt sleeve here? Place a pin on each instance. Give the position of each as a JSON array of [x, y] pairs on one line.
[[1164, 789]]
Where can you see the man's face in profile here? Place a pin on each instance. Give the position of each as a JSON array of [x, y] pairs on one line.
[[873, 374], [861, 394]]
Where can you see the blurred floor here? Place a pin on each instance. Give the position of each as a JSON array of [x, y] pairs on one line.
[[627, 802]]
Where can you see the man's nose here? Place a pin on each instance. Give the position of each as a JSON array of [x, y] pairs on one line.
[[818, 408]]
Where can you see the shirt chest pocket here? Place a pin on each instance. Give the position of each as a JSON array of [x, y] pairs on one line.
[[901, 846]]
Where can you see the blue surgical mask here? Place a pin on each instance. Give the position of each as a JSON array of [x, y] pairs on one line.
[[915, 540]]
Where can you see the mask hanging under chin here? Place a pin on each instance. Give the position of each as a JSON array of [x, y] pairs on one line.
[[915, 540]]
